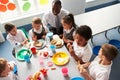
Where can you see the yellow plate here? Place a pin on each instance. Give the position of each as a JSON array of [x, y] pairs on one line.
[[60, 58]]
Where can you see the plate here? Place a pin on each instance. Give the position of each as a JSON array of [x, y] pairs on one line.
[[43, 44], [21, 53], [54, 42], [60, 58], [77, 78]]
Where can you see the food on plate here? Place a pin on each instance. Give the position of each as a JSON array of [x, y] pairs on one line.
[[35, 76], [57, 43], [53, 68], [38, 44]]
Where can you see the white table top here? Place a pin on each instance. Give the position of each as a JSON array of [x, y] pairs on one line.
[[100, 20], [26, 69]]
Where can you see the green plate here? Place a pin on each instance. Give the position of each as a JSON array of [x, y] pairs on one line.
[[21, 53]]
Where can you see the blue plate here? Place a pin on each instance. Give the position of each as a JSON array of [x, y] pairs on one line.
[[77, 78]]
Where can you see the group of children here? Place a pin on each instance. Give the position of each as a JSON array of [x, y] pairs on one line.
[[76, 40]]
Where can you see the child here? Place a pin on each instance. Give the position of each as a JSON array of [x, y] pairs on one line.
[[6, 70], [69, 27], [100, 67], [15, 37], [38, 31], [81, 50]]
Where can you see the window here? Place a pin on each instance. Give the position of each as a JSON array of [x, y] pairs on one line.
[[12, 9]]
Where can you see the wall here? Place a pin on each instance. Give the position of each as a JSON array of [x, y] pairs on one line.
[[78, 7], [74, 6], [97, 2], [75, 9]]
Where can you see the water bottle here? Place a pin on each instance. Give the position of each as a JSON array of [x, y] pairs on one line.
[[47, 40]]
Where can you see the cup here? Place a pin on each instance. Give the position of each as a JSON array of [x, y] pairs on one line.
[[15, 69], [33, 49], [41, 61], [64, 71], [44, 71], [27, 58], [53, 48], [50, 34]]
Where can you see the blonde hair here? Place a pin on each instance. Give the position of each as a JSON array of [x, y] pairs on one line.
[[109, 51], [36, 20], [3, 63]]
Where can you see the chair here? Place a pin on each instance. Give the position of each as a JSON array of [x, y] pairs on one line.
[[25, 32], [96, 49], [115, 42]]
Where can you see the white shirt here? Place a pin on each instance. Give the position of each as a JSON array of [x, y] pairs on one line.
[[18, 38], [98, 71], [84, 53], [11, 76], [49, 17], [37, 31]]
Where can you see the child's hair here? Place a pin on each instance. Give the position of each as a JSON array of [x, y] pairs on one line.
[[69, 19], [3, 63], [84, 31], [36, 20], [8, 27], [109, 51], [58, 2]]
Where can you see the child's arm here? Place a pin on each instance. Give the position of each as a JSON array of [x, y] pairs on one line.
[[85, 74], [70, 48]]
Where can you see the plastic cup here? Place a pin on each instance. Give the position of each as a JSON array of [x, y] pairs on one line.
[[27, 58], [53, 48], [41, 61], [64, 71], [50, 34], [15, 69], [33, 49]]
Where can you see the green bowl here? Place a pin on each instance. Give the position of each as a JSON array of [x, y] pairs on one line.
[[21, 53]]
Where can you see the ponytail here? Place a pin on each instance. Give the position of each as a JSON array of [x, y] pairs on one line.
[[69, 19]]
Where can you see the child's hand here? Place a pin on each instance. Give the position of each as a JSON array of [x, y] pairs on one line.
[[34, 38], [43, 37], [11, 65], [83, 71], [68, 45], [24, 42], [86, 64]]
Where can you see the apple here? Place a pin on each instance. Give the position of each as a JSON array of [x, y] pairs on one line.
[[45, 54]]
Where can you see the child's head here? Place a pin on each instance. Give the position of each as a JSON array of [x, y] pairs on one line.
[[56, 7], [68, 21], [108, 52], [82, 35], [4, 67], [10, 28], [36, 23]]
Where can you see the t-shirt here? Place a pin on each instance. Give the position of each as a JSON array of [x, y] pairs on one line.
[[39, 32], [84, 53], [17, 39], [11, 76], [99, 71]]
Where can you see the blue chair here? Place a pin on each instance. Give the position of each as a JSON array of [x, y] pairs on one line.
[[96, 49], [115, 42]]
